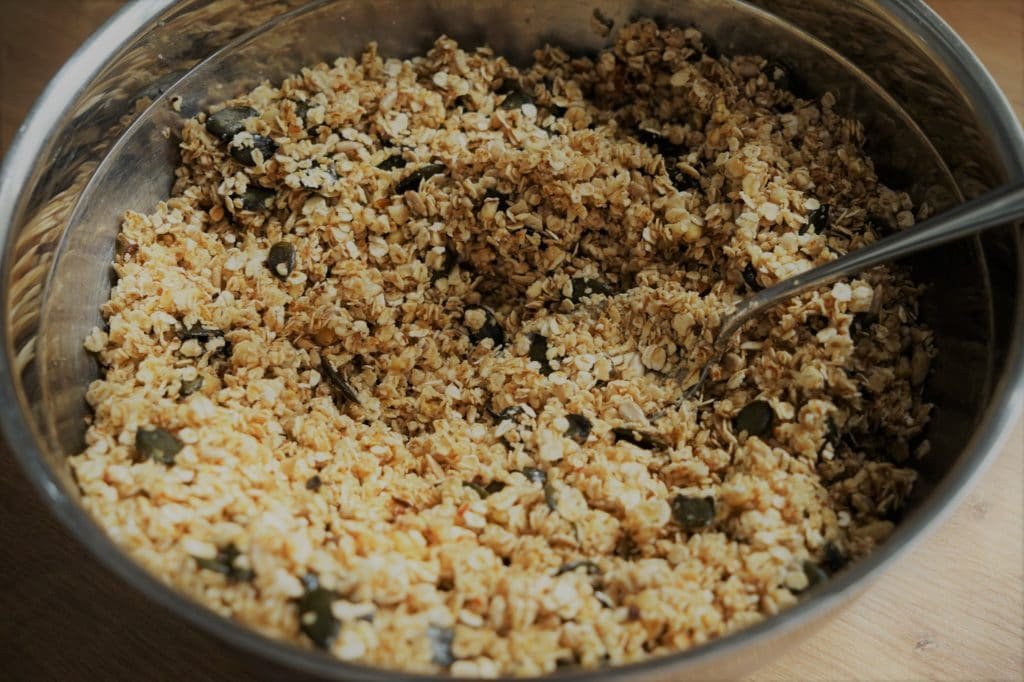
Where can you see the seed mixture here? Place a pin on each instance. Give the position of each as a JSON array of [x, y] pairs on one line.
[[395, 371]]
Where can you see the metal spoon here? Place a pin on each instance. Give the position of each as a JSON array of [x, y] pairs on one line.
[[997, 207]]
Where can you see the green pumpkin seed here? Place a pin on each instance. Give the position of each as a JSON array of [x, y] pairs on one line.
[[818, 219], [493, 194], [750, 277], [477, 488], [441, 644], [582, 287], [224, 563], [551, 495], [665, 147], [693, 512], [490, 329], [592, 568], [226, 123], [256, 198], [316, 620], [200, 333], [515, 96], [156, 444], [815, 574], [579, 428], [451, 258], [625, 547], [509, 413], [539, 352], [190, 386], [641, 439], [395, 161], [535, 475], [281, 259], [755, 419], [243, 153], [301, 109], [411, 182], [342, 391], [833, 558]]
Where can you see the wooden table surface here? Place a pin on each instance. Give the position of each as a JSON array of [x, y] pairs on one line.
[[953, 608]]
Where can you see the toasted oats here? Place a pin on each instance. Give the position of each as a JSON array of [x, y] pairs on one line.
[[449, 518]]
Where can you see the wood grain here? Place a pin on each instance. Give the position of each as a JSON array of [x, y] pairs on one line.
[[952, 609]]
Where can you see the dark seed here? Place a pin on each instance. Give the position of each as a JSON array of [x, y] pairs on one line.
[[256, 198], [493, 193], [227, 122], [579, 428], [313, 483], [641, 439], [441, 644], [862, 322], [494, 487], [833, 558], [190, 386], [243, 155], [301, 109], [318, 181], [281, 259], [535, 475], [199, 333], [625, 546], [315, 618], [490, 329], [654, 139], [509, 413], [515, 96], [156, 444], [592, 568], [818, 219], [551, 495], [392, 162], [341, 390], [411, 182], [477, 488], [224, 563], [750, 277], [755, 419], [539, 352], [583, 287], [693, 512], [680, 179], [817, 322], [465, 102], [831, 435], [451, 258], [815, 574]]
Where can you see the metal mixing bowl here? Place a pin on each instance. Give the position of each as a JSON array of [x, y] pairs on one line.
[[937, 126]]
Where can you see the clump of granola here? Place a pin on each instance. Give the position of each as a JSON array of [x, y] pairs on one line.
[[393, 373]]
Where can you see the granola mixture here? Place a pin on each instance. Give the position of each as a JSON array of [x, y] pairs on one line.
[[394, 372]]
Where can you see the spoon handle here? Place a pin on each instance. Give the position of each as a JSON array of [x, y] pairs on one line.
[[998, 207]]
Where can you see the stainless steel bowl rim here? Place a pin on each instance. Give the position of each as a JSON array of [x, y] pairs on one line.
[[1004, 408]]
